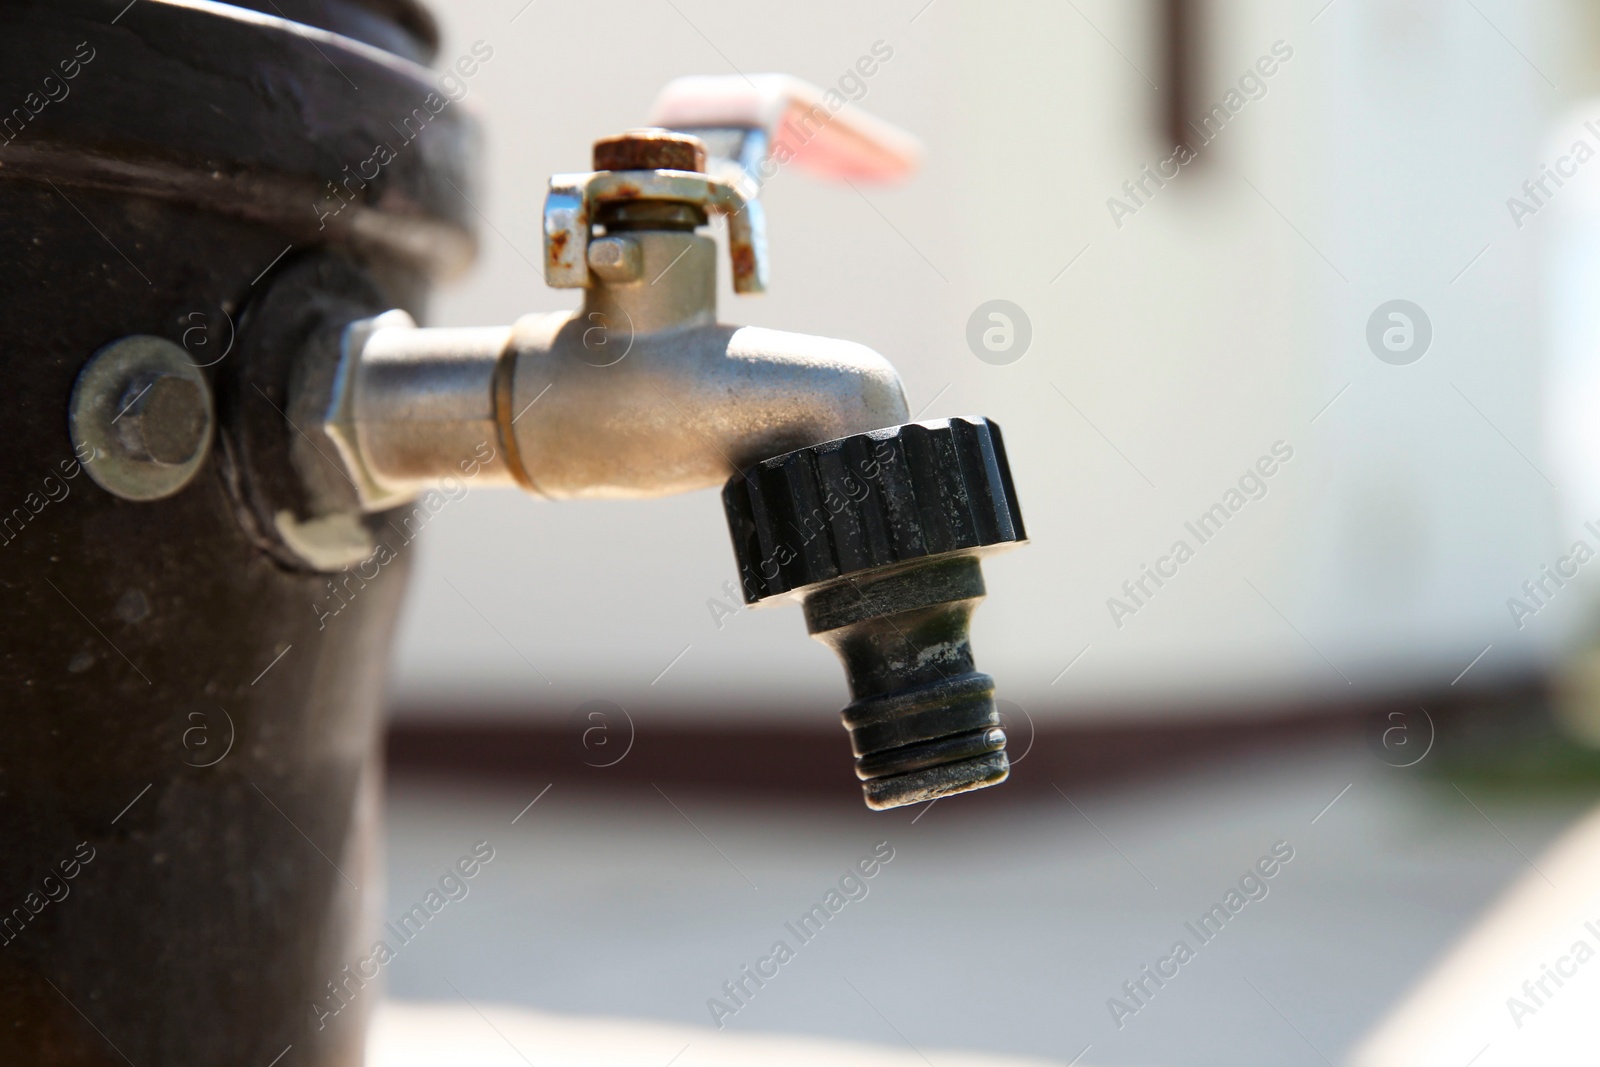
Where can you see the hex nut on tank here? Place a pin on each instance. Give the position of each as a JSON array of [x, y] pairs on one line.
[[143, 415]]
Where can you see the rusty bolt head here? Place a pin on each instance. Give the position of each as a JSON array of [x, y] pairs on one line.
[[650, 149]]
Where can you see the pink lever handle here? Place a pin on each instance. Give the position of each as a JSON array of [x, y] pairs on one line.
[[818, 130]]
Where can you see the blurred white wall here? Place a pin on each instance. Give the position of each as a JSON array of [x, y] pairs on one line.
[[1227, 314]]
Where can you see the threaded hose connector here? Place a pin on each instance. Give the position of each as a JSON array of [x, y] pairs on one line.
[[880, 536]]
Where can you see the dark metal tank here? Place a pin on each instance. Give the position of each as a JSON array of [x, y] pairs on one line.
[[188, 782]]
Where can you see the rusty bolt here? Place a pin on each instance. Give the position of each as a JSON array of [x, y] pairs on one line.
[[650, 149]]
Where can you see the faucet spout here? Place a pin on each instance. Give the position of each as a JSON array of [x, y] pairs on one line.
[[681, 409]]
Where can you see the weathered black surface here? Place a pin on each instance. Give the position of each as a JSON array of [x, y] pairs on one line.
[[241, 117], [140, 641], [399, 26], [922, 720]]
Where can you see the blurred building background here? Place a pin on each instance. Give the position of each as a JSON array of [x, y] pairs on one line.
[[1179, 333], [1171, 347]]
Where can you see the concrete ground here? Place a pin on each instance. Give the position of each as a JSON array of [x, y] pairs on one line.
[[997, 926]]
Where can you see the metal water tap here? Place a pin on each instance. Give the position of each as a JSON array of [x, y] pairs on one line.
[[641, 392], [874, 524]]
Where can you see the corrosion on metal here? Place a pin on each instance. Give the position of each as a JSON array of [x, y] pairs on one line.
[[576, 199], [650, 149]]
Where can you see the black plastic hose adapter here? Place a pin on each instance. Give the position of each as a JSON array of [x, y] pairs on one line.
[[880, 536]]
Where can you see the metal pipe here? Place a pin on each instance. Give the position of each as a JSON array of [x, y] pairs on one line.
[[640, 393]]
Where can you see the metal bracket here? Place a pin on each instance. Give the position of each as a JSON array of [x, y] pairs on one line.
[[570, 208]]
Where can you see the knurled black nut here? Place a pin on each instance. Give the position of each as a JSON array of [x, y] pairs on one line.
[[871, 500]]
